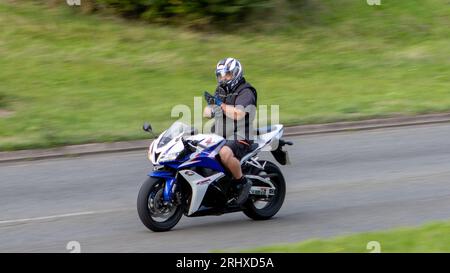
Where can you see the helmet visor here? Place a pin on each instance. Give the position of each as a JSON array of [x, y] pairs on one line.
[[224, 76]]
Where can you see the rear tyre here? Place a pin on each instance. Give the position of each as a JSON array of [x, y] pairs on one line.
[[274, 203], [154, 214]]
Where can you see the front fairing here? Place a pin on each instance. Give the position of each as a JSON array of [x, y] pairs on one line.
[[165, 150], [205, 156]]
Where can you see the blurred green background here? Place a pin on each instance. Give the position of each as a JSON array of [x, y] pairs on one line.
[[93, 73]]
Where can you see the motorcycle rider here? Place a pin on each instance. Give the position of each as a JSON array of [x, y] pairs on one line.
[[233, 107]]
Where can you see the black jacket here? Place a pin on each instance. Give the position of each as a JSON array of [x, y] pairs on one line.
[[245, 96]]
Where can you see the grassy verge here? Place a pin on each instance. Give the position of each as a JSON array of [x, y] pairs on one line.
[[2, 100], [73, 78], [433, 237]]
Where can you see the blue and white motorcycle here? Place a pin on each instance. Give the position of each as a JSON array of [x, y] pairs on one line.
[[189, 179]]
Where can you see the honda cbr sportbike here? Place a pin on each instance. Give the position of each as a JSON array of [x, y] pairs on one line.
[[188, 177]]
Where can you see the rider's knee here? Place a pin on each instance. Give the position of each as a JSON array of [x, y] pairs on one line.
[[225, 154]]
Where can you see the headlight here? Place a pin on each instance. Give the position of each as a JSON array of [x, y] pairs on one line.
[[150, 151], [168, 157], [149, 155]]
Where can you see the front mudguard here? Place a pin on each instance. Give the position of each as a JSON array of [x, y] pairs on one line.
[[170, 179]]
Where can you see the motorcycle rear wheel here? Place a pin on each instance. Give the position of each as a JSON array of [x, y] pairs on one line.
[[276, 201]]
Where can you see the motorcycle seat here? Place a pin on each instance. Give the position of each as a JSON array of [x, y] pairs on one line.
[[253, 147], [264, 130]]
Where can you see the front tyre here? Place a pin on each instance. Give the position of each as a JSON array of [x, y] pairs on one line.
[[265, 208], [153, 212]]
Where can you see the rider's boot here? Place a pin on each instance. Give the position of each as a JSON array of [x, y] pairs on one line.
[[242, 186]]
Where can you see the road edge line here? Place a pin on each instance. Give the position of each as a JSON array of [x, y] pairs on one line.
[[295, 130]]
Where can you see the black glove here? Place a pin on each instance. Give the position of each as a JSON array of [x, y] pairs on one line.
[[210, 99]]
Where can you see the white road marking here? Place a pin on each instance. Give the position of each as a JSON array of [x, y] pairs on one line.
[[59, 216]]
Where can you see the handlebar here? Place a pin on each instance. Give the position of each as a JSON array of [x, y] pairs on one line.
[[189, 144]]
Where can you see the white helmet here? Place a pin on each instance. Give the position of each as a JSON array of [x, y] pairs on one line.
[[229, 73]]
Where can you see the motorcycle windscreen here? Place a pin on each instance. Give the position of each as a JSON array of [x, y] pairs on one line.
[[177, 129]]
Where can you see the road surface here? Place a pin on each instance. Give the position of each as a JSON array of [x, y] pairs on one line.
[[337, 184]]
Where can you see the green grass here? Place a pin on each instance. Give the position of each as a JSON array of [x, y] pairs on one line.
[[2, 101], [433, 237], [72, 78]]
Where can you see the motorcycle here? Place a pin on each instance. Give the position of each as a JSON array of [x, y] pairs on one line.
[[188, 177]]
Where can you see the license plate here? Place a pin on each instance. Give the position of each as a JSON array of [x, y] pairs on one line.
[[265, 191]]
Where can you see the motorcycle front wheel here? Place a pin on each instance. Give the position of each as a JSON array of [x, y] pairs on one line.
[[154, 213]]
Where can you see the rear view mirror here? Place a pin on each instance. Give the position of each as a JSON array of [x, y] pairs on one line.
[[147, 127]]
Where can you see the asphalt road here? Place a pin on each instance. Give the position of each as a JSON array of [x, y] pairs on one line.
[[337, 184]]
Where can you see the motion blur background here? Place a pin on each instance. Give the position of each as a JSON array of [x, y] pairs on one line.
[[93, 72]]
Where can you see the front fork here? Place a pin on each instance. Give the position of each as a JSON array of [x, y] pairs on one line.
[[170, 181]]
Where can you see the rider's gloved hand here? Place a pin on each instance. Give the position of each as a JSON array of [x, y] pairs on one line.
[[217, 101], [210, 99]]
